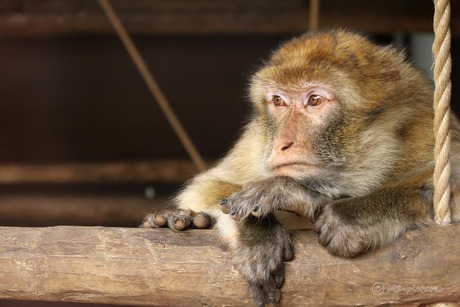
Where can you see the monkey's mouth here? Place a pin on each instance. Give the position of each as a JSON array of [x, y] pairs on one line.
[[294, 168]]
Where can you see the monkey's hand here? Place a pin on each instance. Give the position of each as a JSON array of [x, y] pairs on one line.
[[264, 244], [343, 237], [260, 198], [352, 226]]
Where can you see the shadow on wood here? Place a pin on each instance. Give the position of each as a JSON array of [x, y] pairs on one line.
[[164, 268]]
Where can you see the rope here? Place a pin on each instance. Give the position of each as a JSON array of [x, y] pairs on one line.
[[314, 15], [152, 84], [442, 93]]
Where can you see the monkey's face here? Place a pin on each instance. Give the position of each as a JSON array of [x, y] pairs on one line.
[[299, 97], [298, 117]]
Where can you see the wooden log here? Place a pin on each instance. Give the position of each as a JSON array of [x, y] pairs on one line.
[[164, 268], [55, 17], [165, 171]]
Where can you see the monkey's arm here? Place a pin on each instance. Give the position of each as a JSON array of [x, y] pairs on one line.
[[351, 226], [200, 197], [263, 197], [347, 227], [242, 164]]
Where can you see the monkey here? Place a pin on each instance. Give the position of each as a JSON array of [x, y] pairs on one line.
[[340, 135]]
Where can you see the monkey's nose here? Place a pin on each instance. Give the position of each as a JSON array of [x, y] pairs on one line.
[[287, 146]]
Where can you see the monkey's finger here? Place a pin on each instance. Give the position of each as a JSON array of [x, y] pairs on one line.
[[179, 222], [235, 217], [256, 211], [272, 293], [160, 219], [224, 206], [202, 220], [148, 222], [257, 293], [325, 237], [288, 253], [278, 276], [154, 220]]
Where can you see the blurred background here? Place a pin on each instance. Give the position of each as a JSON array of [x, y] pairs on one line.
[[82, 141]]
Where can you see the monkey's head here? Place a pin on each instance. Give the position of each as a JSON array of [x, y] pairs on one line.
[[336, 104]]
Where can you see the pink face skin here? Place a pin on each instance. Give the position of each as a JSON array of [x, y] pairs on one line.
[[299, 115]]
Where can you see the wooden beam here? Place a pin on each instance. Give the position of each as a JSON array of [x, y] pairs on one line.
[[56, 17], [165, 268], [37, 209], [165, 171]]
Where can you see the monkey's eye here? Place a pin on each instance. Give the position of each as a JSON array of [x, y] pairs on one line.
[[278, 101], [315, 100]]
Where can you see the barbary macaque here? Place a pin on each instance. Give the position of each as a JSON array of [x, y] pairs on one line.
[[341, 135]]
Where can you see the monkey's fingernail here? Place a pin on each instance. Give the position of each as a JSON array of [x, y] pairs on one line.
[[224, 209], [288, 255], [201, 220], [160, 220], [234, 217], [256, 212], [180, 224]]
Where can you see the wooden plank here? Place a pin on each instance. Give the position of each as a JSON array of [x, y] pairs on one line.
[[166, 171], [164, 268], [35, 210], [56, 17]]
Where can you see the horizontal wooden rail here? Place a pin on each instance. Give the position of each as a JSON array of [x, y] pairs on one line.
[[165, 268], [166, 171], [75, 209], [21, 18]]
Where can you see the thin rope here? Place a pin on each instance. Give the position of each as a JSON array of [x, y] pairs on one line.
[[314, 15], [152, 85], [441, 104]]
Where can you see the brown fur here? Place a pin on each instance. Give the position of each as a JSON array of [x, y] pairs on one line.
[[366, 153]]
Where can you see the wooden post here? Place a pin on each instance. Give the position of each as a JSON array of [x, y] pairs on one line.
[[165, 268]]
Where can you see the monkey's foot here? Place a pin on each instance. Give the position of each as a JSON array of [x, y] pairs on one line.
[[178, 220]]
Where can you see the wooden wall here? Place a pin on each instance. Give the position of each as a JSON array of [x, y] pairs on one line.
[[81, 99], [70, 94]]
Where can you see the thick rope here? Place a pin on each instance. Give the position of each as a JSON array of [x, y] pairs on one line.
[[441, 104], [152, 84]]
